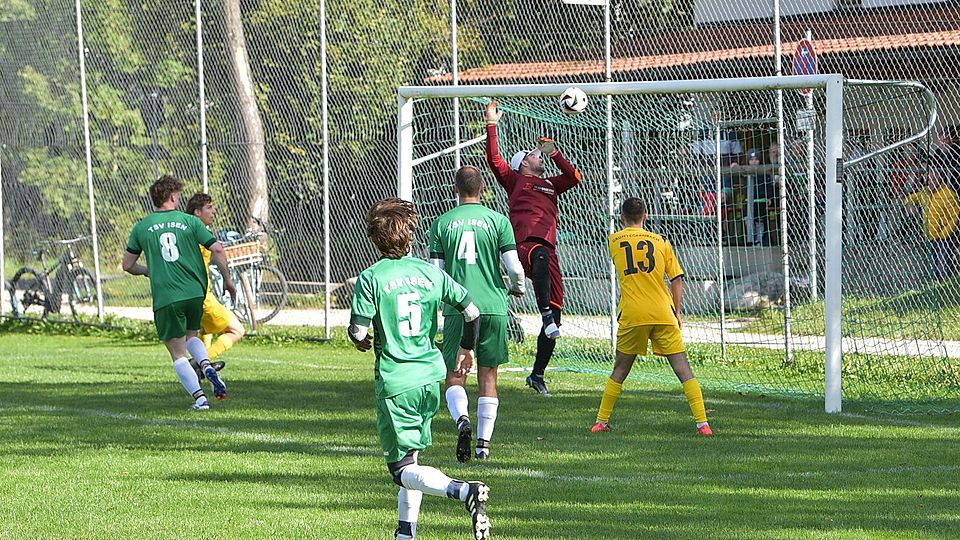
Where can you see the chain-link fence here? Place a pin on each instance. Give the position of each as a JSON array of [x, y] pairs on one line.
[[244, 120]]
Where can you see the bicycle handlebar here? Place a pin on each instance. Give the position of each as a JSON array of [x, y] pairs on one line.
[[67, 242]]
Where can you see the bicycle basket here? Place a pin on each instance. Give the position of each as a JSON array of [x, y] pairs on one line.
[[245, 253]]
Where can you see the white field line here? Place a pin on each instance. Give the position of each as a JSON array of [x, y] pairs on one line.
[[182, 424], [697, 478]]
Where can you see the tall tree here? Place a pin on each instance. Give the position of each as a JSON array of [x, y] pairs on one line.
[[258, 203]]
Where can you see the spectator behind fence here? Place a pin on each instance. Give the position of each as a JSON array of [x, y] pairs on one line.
[[940, 212]]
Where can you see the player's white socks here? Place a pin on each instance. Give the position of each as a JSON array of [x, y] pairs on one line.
[[408, 508], [186, 374], [457, 402], [433, 482], [198, 351], [486, 416]]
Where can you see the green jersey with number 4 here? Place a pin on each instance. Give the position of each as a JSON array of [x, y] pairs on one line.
[[469, 239], [170, 240], [401, 297]]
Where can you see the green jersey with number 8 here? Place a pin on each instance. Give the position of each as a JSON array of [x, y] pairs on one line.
[[170, 240], [401, 297], [469, 239]]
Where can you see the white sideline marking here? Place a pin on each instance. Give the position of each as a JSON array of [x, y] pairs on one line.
[[168, 422], [692, 478]]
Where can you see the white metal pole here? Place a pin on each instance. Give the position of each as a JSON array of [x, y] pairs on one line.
[[781, 173], [455, 71], [325, 134], [2, 244], [833, 392], [89, 160], [203, 98], [608, 77], [721, 276], [811, 198], [405, 148]]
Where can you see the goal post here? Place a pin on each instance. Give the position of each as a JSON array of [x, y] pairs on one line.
[[658, 117]]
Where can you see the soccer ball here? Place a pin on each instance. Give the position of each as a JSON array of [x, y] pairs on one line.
[[573, 101]]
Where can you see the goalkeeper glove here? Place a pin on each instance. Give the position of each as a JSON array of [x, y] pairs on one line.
[[492, 113], [547, 146]]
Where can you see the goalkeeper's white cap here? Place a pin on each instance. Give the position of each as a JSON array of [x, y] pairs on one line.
[[518, 158]]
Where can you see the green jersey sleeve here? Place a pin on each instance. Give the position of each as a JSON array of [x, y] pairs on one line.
[[363, 306], [133, 243], [436, 248], [507, 242]]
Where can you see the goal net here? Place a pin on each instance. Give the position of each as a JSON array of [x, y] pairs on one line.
[[748, 219]]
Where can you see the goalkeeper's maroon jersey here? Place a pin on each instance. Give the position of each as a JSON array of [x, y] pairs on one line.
[[532, 199]]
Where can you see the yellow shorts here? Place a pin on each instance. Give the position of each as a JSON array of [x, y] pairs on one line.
[[666, 339], [216, 318]]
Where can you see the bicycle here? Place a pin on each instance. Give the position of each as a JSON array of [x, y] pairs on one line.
[[41, 292], [261, 288]]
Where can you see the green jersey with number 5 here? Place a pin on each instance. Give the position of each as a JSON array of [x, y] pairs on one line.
[[469, 239], [170, 240], [401, 297]]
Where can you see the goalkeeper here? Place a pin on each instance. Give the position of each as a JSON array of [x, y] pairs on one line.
[[532, 200]]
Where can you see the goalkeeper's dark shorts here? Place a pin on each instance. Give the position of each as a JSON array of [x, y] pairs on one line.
[[525, 250]]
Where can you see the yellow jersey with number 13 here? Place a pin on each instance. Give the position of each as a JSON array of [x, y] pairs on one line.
[[642, 260]]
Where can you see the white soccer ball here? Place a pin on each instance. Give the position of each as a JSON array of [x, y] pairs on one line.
[[573, 101]]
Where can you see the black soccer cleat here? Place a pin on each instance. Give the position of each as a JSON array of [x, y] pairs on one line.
[[218, 365], [464, 438], [538, 384], [476, 505], [219, 387]]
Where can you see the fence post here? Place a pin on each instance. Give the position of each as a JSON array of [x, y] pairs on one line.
[[86, 145]]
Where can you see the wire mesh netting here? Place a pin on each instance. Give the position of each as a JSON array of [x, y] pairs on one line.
[[708, 167]]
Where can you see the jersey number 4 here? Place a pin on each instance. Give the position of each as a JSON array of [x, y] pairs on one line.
[[467, 248], [645, 263]]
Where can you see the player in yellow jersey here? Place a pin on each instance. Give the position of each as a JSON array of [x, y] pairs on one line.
[[647, 311], [217, 319]]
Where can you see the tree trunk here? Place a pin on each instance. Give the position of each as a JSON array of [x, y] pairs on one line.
[[258, 203]]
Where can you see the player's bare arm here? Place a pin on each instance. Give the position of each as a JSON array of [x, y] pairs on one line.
[[219, 257], [131, 266]]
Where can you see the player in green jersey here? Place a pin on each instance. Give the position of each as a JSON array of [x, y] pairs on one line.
[[469, 243], [171, 241], [400, 295]]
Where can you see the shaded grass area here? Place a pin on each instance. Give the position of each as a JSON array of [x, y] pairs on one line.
[[96, 442]]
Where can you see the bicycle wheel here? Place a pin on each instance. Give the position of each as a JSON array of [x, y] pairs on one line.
[[82, 291], [31, 293], [265, 288]]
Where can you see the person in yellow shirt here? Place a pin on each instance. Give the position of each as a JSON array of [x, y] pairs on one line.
[[217, 319], [941, 213], [647, 311]]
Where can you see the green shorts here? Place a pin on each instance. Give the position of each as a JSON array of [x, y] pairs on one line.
[[491, 348], [174, 320], [403, 421]]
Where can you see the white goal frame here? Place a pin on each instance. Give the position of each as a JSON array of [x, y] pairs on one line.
[[833, 86]]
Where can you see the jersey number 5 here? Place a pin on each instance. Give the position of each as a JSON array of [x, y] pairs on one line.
[[168, 247], [409, 313], [645, 250]]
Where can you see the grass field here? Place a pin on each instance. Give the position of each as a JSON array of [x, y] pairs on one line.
[[96, 441]]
